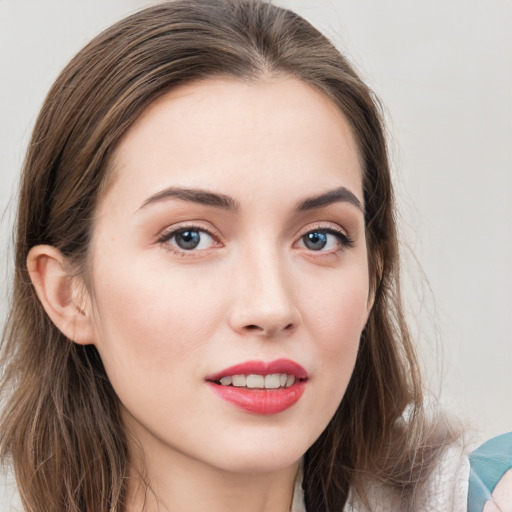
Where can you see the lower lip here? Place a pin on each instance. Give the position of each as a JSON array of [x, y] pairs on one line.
[[260, 401]]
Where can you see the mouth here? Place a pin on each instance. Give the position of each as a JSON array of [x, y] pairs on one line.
[[259, 387], [252, 381]]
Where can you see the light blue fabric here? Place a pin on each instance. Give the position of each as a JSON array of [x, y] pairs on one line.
[[489, 463]]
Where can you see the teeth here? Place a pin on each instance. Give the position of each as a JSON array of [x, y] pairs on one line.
[[255, 381], [290, 380], [273, 381], [240, 381]]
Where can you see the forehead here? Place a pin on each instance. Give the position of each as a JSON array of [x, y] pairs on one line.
[[228, 133]]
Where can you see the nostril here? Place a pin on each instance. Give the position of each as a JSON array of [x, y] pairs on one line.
[[254, 327]]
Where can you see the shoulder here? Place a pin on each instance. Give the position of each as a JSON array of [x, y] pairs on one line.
[[447, 487], [445, 490], [490, 480]]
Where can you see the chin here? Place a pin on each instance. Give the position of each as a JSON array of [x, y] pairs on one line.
[[262, 455], [261, 463]]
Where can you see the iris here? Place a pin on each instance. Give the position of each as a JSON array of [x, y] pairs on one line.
[[316, 240], [188, 239]]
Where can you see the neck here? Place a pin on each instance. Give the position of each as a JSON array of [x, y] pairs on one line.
[[169, 481]]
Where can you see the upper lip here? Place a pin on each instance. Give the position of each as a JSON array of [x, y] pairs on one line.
[[262, 368]]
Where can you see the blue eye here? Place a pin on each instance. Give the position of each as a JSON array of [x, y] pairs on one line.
[[324, 240], [315, 240], [189, 239]]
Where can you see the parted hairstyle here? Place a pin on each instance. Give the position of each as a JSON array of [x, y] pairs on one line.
[[61, 427]]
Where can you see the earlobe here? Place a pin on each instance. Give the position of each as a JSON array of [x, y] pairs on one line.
[[59, 293]]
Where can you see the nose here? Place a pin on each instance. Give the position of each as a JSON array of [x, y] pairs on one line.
[[264, 304]]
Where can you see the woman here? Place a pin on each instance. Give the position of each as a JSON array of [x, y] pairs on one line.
[[206, 310]]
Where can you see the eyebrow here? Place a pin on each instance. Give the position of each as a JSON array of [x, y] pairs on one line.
[[195, 196], [338, 195], [204, 197]]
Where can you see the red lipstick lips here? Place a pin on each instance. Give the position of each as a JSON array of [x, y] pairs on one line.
[[260, 400]]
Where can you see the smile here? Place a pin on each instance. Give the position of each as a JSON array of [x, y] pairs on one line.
[[259, 387], [273, 381]]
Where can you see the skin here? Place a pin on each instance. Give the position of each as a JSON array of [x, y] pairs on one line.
[[501, 495], [163, 318]]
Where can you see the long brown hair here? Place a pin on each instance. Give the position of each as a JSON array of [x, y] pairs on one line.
[[61, 427]]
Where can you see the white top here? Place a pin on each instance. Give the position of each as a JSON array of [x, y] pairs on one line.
[[9, 499], [446, 490]]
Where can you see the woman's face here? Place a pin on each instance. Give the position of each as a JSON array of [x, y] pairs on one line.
[[232, 235]]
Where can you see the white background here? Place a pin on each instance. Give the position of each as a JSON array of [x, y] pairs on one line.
[[443, 69]]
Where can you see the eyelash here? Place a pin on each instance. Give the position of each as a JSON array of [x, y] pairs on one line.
[[345, 241], [168, 235]]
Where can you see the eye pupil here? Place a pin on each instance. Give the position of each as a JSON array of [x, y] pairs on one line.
[[188, 239], [315, 240]]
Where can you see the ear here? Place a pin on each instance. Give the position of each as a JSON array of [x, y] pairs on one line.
[[63, 296]]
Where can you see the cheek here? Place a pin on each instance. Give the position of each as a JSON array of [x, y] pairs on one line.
[[147, 321], [337, 311], [334, 319]]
